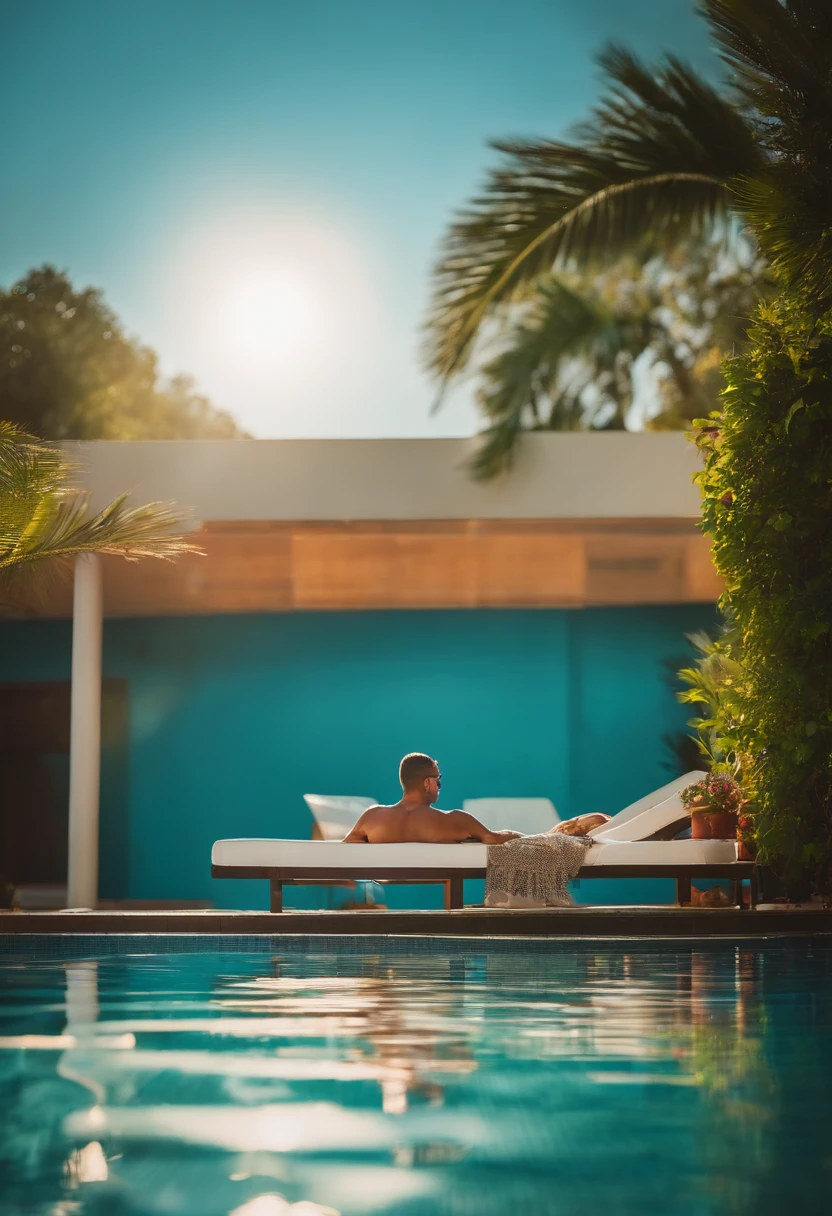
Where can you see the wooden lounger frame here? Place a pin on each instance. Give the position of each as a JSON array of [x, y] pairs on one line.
[[299, 876]]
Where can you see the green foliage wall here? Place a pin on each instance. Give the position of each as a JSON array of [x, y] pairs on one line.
[[767, 501]]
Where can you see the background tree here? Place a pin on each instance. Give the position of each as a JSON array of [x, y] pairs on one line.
[[67, 371], [626, 348]]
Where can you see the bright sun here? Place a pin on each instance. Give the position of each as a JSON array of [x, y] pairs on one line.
[[276, 310]]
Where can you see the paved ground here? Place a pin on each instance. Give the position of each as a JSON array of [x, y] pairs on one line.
[[466, 922]]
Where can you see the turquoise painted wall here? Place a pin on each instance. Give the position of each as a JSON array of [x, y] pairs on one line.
[[234, 718]]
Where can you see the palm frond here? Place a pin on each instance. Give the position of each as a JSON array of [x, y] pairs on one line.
[[29, 473], [44, 521], [63, 528], [650, 168], [780, 54], [780, 51], [569, 338], [521, 381]]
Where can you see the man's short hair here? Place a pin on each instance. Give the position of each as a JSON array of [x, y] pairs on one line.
[[414, 768]]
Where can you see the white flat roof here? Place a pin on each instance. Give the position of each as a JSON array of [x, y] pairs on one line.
[[607, 475]]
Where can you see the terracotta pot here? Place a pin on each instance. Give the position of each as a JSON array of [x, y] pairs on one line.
[[713, 825], [745, 851], [700, 825], [723, 826], [708, 825]]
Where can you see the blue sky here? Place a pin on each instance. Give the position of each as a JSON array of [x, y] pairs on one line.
[[260, 186]]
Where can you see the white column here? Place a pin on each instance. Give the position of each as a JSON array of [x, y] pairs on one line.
[[85, 734]]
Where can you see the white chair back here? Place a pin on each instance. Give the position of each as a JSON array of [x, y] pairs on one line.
[[527, 815], [335, 814], [650, 800], [643, 826], [649, 814]]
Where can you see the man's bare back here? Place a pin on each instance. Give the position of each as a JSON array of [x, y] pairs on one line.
[[415, 820], [409, 822]]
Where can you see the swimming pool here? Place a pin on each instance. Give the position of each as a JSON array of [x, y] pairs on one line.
[[267, 1077]]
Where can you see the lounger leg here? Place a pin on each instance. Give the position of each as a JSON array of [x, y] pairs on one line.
[[736, 892], [753, 890], [275, 895], [453, 893], [682, 891]]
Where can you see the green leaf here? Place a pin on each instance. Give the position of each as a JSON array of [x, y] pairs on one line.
[[798, 405], [44, 522]]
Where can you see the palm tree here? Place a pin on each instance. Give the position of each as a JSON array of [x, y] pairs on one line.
[[44, 522], [665, 160]]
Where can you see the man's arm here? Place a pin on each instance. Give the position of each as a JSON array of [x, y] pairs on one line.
[[358, 833], [466, 827]]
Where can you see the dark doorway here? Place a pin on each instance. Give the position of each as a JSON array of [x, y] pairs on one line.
[[34, 783]]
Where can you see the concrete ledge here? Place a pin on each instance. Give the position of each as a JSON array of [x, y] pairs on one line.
[[556, 475], [467, 922]]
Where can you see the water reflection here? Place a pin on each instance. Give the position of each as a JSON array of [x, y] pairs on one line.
[[486, 1080], [403, 1028]]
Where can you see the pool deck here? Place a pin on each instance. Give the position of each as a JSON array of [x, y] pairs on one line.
[[581, 921]]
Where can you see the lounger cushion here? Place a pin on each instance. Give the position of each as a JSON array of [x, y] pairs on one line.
[[352, 858], [332, 854], [661, 853]]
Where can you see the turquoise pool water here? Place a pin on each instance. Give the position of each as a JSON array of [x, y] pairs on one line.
[[460, 1077]]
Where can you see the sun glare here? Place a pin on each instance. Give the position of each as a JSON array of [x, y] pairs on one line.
[[279, 311], [274, 310]]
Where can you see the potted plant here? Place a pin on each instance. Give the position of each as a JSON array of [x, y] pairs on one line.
[[714, 804]]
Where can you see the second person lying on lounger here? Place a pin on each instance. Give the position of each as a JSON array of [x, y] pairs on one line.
[[414, 819]]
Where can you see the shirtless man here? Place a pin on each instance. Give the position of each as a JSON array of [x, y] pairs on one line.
[[415, 818]]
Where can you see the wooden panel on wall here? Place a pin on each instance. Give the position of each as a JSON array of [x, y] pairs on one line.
[[382, 570], [626, 569], [461, 569], [244, 570], [276, 566], [702, 582], [241, 571], [530, 569]]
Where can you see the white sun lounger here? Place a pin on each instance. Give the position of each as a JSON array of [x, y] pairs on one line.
[[526, 815], [335, 814], [308, 862]]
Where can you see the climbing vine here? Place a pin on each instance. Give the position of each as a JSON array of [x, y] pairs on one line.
[[767, 503]]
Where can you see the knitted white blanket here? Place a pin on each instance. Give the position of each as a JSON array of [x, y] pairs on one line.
[[534, 871]]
